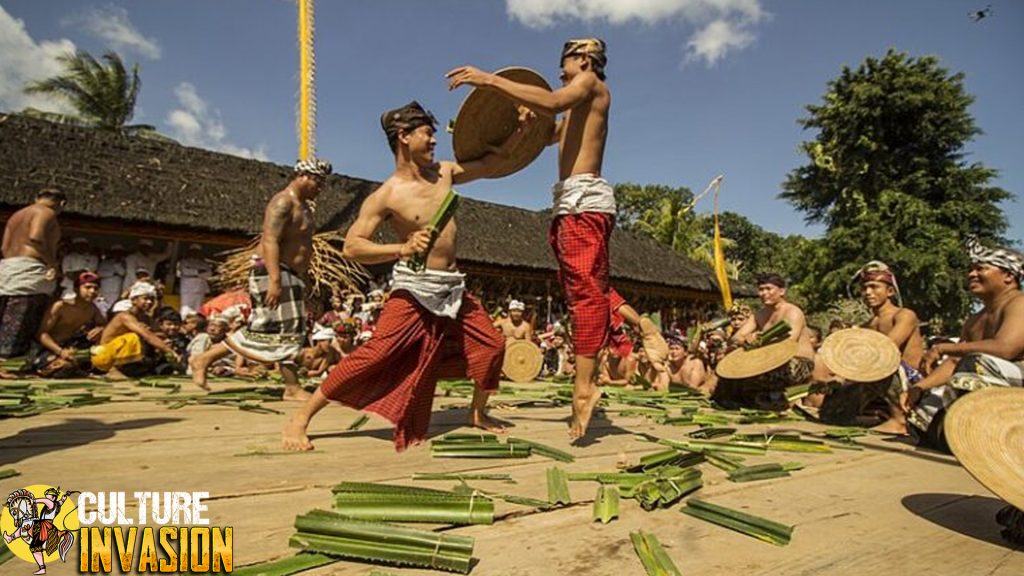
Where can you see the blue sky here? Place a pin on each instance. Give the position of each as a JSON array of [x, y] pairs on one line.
[[700, 87]]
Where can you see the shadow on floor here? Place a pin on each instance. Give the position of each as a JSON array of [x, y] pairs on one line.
[[970, 515], [71, 433]]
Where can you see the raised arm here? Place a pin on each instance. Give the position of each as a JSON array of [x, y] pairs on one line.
[[359, 244], [542, 101]]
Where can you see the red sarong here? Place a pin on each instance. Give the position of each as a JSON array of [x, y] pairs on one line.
[[395, 372], [580, 243]]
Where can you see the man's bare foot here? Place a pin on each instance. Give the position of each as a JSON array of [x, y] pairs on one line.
[[480, 419], [115, 375], [891, 426], [198, 372], [295, 394], [294, 436], [654, 343], [583, 410]]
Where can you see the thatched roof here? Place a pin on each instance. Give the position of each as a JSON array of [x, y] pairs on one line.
[[151, 182]]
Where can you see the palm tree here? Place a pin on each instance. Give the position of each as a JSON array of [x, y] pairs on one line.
[[676, 226], [103, 96]]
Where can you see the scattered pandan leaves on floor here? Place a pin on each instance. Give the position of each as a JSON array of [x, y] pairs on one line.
[[652, 555], [391, 503], [558, 486], [333, 534], [753, 526], [606, 503], [359, 422]]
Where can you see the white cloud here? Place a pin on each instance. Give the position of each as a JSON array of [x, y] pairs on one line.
[[721, 25], [112, 25], [712, 42], [196, 123], [23, 60]]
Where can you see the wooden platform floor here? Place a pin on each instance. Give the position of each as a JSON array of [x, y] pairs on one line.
[[889, 509]]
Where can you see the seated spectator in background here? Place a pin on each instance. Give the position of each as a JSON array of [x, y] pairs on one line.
[[217, 329], [684, 369], [338, 313], [69, 326], [615, 370], [515, 327], [659, 379], [815, 334], [345, 343], [316, 360], [991, 347], [554, 354], [169, 325], [130, 345], [568, 363], [193, 325], [738, 315], [80, 258]]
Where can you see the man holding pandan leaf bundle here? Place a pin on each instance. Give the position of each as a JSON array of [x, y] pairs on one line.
[[767, 390], [584, 214], [430, 327]]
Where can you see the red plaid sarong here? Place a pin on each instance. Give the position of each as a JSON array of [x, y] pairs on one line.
[[395, 372], [580, 243]]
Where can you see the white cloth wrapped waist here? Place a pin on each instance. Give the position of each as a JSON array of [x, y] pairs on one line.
[[24, 276], [583, 193], [438, 291]]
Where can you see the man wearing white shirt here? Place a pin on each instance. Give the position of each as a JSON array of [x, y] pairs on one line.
[[193, 273], [144, 257], [79, 260], [112, 273]]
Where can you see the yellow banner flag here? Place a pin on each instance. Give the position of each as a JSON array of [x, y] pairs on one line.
[[720, 273]]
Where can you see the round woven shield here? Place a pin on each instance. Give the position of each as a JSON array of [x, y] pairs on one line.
[[523, 361], [860, 355], [986, 433], [741, 363], [489, 117]]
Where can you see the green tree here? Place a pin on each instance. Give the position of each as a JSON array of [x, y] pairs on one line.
[[667, 215], [888, 176], [102, 96]]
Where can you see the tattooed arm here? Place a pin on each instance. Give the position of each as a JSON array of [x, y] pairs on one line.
[[275, 220]]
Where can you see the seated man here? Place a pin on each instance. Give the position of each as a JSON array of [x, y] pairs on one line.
[[515, 327], [129, 345], [684, 369], [69, 325], [345, 343], [615, 370], [169, 325], [991, 347], [657, 376], [316, 360], [767, 390]]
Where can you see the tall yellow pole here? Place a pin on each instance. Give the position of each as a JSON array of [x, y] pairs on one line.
[[720, 274], [307, 76]]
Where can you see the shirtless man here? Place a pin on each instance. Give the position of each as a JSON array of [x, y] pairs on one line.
[[615, 370], [584, 211], [277, 325], [69, 325], [515, 327], [991, 347], [321, 356], [130, 344], [684, 369], [28, 271], [430, 327], [768, 388]]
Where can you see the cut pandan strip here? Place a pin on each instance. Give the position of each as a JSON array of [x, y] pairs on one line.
[[652, 555], [378, 542], [754, 526], [543, 450], [371, 488], [798, 392], [776, 333], [444, 214], [470, 509], [695, 445], [606, 503], [429, 476], [558, 486], [711, 432], [286, 566], [758, 472], [671, 457], [481, 451], [359, 422], [467, 437]]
